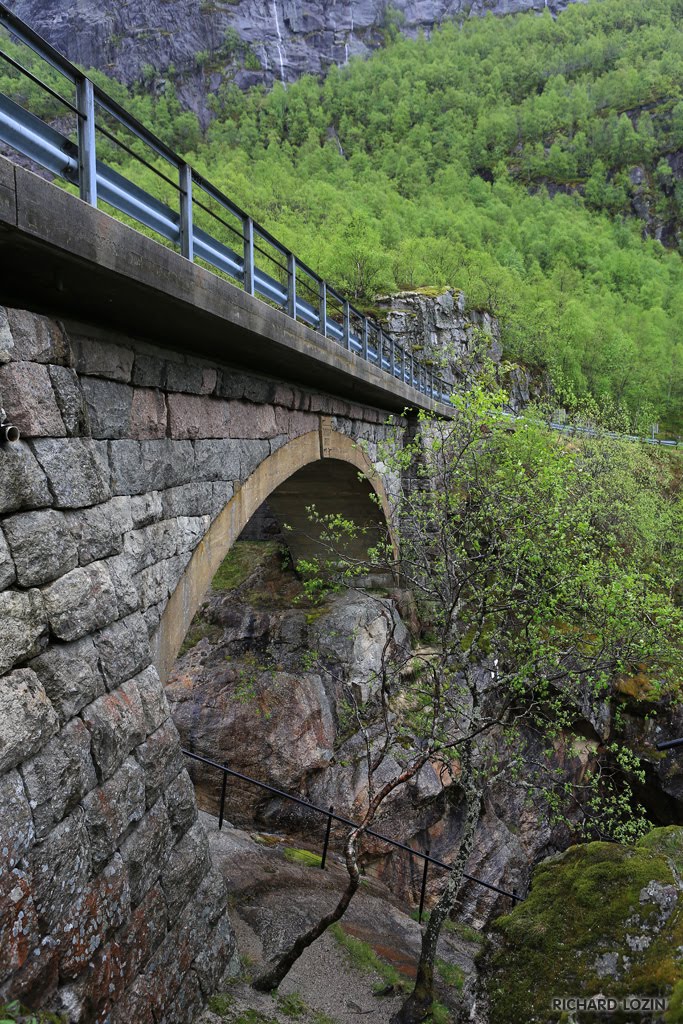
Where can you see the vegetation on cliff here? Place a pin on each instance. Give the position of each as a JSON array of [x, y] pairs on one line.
[[502, 156]]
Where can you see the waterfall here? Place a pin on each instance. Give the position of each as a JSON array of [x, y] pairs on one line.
[[279, 42]]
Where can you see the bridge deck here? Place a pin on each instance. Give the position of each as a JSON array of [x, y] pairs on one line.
[[62, 257]]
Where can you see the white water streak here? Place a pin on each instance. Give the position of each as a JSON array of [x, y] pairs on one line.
[[279, 42]]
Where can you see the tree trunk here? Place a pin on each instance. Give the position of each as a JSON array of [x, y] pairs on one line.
[[418, 1003], [270, 980]]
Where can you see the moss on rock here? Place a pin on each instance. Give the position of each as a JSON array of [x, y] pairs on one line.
[[600, 919]]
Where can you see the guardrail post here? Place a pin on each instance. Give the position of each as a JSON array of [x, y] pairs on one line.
[[323, 859], [366, 331], [248, 233], [87, 145], [423, 890], [347, 324], [380, 348], [392, 357], [186, 231], [291, 289], [322, 291], [222, 810]]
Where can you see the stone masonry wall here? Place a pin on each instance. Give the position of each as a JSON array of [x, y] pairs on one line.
[[110, 910]]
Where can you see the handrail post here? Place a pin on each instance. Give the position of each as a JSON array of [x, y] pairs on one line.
[[347, 324], [248, 233], [424, 888], [291, 288], [322, 312], [380, 348], [366, 330], [323, 859], [222, 810], [392, 357], [186, 229], [87, 144]]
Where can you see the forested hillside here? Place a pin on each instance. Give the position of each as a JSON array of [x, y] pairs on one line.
[[521, 159]]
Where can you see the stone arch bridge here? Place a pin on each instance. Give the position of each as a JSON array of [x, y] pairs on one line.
[[159, 406]]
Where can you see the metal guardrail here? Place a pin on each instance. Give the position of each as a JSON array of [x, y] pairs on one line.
[[329, 814], [298, 290]]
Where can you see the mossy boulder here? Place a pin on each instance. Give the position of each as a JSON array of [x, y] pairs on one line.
[[600, 919]]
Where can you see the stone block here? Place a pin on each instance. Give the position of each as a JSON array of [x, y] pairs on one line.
[[212, 961], [217, 460], [36, 982], [148, 415], [111, 809], [60, 869], [16, 821], [144, 851], [102, 906], [27, 718], [70, 401], [252, 454], [149, 370], [23, 626], [190, 530], [189, 500], [19, 928], [123, 648], [153, 583], [234, 385], [181, 804], [146, 509], [74, 469], [286, 396], [293, 424], [251, 421], [59, 776], [185, 868], [209, 379], [277, 442], [22, 481], [161, 758], [120, 569], [81, 601], [152, 543], [29, 400], [140, 466], [135, 1004], [96, 357], [42, 546], [6, 339], [35, 338], [117, 724], [70, 675], [153, 617], [153, 697], [222, 492], [109, 407], [116, 966], [98, 531], [196, 416], [184, 377], [7, 571]]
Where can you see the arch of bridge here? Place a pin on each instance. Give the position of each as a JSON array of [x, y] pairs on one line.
[[323, 447]]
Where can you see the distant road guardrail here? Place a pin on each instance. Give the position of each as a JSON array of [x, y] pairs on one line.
[[247, 253]]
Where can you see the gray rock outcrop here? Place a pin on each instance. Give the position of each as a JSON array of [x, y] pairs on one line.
[[254, 41]]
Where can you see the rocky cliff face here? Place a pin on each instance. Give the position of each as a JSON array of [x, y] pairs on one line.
[[255, 41]]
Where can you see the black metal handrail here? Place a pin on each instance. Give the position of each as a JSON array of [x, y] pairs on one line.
[[331, 816], [78, 164]]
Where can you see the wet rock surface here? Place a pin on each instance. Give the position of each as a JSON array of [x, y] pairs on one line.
[[250, 41]]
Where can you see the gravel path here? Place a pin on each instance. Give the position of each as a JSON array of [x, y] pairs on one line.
[[272, 899]]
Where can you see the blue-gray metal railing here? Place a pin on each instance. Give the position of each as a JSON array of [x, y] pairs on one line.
[[301, 293]]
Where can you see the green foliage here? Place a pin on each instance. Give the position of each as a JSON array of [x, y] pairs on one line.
[[15, 1013], [299, 856], [450, 974], [363, 957], [241, 562], [497, 157], [292, 1005], [221, 1003]]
